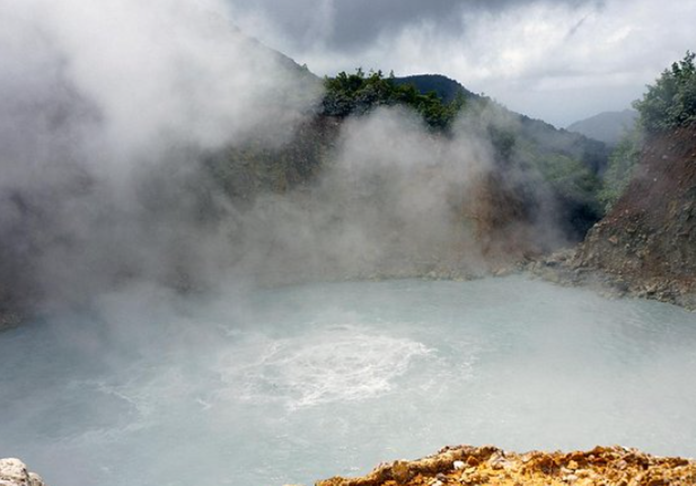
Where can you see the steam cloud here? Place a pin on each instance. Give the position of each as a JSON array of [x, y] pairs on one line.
[[107, 113], [104, 110]]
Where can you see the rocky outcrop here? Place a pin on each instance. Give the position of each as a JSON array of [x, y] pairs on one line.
[[14, 472], [647, 243], [466, 465]]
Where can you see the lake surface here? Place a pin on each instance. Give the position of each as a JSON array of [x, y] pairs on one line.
[[295, 384]]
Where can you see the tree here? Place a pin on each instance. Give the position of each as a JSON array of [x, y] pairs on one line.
[[671, 101], [359, 93]]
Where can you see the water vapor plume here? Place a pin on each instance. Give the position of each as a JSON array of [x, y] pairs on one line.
[[396, 199], [389, 203], [157, 143], [105, 110]]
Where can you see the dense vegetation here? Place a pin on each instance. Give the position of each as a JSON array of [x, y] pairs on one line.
[[668, 104], [359, 93], [569, 165], [622, 163], [671, 101]]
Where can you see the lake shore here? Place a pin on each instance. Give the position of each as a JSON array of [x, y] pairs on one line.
[[467, 465]]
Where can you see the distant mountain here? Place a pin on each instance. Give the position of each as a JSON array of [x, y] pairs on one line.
[[545, 137], [607, 127], [445, 88]]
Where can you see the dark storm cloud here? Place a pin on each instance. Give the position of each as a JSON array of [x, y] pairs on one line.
[[349, 25]]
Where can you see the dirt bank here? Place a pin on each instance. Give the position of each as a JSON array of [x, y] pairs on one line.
[[646, 245]]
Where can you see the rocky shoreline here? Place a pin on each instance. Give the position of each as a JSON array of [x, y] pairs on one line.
[[479, 466], [646, 245], [470, 466], [568, 268]]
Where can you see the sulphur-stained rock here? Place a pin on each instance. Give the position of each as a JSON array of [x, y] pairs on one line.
[[466, 465], [13, 472], [401, 472]]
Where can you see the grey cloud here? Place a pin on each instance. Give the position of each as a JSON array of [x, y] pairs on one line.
[[355, 24]]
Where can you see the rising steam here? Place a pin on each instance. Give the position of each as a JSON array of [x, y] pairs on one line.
[[108, 111], [105, 109]]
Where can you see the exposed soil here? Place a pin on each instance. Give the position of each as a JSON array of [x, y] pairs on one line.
[[466, 465], [646, 245]]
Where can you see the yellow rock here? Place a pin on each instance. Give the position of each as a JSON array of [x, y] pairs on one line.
[[602, 466]]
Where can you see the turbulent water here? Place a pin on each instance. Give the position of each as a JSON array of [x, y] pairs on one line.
[[295, 384]]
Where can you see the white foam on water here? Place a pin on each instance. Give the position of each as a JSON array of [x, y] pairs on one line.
[[344, 363]]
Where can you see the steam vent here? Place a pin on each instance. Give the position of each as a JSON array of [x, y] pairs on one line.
[[466, 465]]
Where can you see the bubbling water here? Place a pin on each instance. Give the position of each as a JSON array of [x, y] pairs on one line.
[[292, 384], [337, 365]]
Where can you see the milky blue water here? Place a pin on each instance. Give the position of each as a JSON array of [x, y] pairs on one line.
[[294, 384]]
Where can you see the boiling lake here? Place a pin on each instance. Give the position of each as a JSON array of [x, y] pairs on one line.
[[294, 384]]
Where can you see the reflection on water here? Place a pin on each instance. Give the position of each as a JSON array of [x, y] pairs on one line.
[[294, 384]]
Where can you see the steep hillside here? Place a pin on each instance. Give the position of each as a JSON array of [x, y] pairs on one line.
[[532, 156], [567, 165], [648, 240], [590, 151], [607, 127]]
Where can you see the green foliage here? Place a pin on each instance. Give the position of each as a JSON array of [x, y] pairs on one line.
[[360, 93], [622, 163], [570, 178], [572, 183], [567, 176], [671, 101]]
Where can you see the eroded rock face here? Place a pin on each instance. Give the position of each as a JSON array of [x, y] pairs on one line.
[[648, 240], [14, 472], [466, 465]]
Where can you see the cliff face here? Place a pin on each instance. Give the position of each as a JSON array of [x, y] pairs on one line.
[[648, 241]]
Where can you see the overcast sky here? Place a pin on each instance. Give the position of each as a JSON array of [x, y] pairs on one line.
[[559, 60]]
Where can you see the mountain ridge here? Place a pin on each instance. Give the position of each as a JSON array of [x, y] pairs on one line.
[[608, 127], [447, 89]]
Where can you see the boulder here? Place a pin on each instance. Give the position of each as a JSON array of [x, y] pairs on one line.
[[14, 472]]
